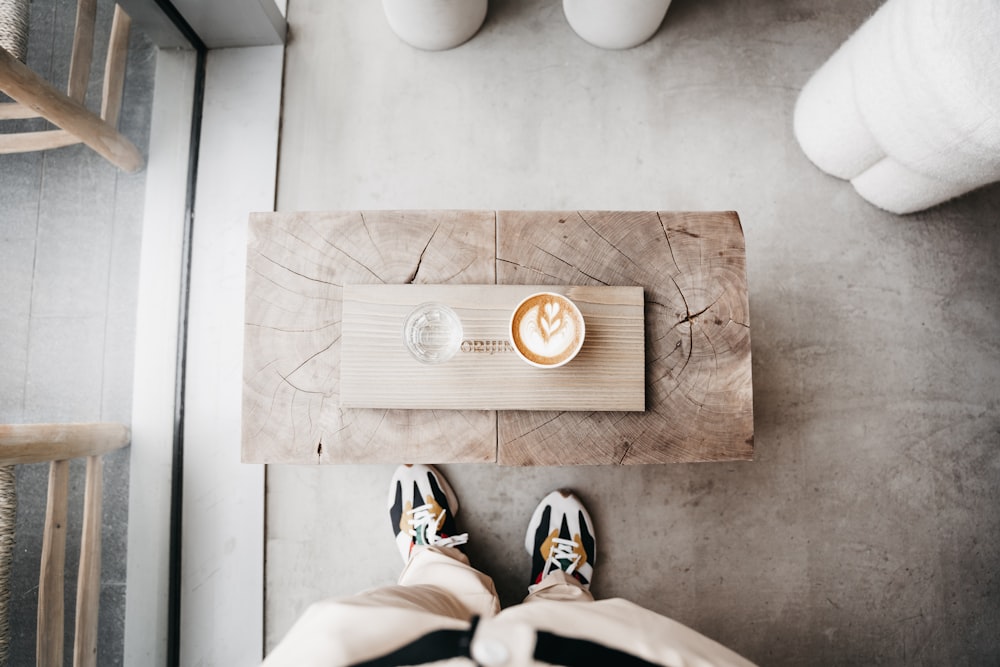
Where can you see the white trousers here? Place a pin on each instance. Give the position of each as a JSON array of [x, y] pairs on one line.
[[439, 590]]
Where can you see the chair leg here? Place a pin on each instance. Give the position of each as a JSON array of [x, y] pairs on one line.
[[49, 649], [114, 67], [83, 50], [88, 591]]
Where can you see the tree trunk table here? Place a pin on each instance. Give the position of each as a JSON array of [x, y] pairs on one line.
[[691, 266]]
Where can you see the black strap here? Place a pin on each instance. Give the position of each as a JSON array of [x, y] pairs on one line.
[[549, 648], [434, 646], [556, 650]]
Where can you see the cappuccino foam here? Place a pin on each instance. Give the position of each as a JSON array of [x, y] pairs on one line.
[[547, 329]]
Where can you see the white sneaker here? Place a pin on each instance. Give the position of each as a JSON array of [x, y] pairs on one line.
[[422, 508], [561, 536]]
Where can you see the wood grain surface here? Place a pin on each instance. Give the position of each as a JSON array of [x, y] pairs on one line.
[[34, 443], [378, 371], [51, 606], [692, 267], [30, 90], [88, 580], [297, 265], [699, 398]]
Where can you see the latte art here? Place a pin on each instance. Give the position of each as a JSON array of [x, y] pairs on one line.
[[547, 329], [545, 332]]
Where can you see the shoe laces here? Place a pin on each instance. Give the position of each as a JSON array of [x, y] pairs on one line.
[[425, 524], [562, 555]]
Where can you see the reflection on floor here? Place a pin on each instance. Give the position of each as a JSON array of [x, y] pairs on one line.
[[69, 253]]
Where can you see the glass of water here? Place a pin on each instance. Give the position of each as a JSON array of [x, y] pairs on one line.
[[432, 333]]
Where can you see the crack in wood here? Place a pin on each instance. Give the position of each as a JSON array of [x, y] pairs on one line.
[[687, 233], [292, 331], [687, 308], [616, 248], [278, 305], [595, 278], [544, 423], [364, 224], [262, 369], [314, 426], [284, 378], [622, 416], [669, 371], [690, 353], [306, 361], [670, 247], [269, 280], [628, 448], [465, 417], [689, 317], [375, 430], [345, 254], [302, 275], [420, 259], [529, 268], [692, 318], [285, 268], [274, 397], [448, 279], [569, 264], [715, 352], [549, 254]]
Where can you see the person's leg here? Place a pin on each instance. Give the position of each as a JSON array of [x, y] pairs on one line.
[[559, 587], [441, 580], [437, 591], [612, 632], [422, 509], [568, 626]]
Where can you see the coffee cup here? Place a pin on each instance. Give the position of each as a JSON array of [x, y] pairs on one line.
[[547, 330]]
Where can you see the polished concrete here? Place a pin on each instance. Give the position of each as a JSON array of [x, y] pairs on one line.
[[866, 530]]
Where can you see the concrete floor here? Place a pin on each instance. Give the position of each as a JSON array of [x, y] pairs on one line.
[[866, 530]]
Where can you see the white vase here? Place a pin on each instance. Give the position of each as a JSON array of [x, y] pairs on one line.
[[615, 24], [435, 25]]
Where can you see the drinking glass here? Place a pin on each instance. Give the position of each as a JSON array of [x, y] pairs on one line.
[[432, 333]]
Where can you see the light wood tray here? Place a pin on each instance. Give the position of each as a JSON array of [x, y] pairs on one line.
[[377, 371]]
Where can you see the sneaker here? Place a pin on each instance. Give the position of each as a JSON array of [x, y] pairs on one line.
[[561, 536], [422, 508]]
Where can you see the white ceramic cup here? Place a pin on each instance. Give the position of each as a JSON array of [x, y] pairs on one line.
[[547, 330]]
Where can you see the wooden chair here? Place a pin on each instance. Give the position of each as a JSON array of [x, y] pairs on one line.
[[36, 98], [59, 443]]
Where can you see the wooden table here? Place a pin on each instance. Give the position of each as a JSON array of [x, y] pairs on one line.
[[692, 267]]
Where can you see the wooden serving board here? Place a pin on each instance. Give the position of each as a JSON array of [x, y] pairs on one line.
[[377, 371]]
